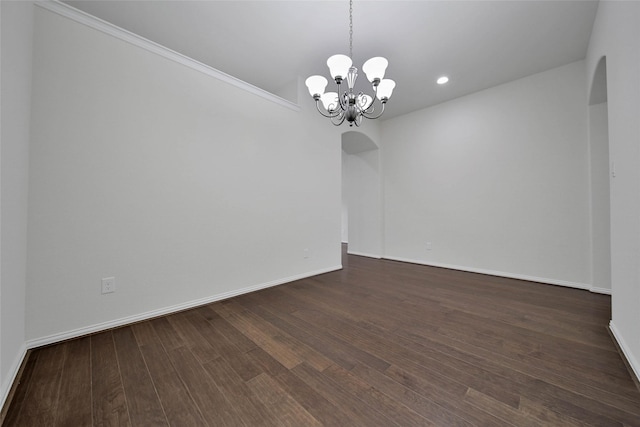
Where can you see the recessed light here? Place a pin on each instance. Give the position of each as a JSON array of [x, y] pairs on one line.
[[442, 80]]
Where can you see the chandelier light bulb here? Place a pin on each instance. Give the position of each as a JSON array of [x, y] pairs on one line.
[[316, 85], [375, 68], [385, 89], [339, 66]]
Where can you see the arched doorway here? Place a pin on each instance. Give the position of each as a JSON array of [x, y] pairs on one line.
[[361, 195], [601, 173]]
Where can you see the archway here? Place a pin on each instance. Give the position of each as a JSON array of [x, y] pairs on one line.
[[601, 172], [361, 195]]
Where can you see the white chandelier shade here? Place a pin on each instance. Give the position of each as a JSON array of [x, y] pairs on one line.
[[347, 105], [339, 66], [330, 100], [316, 85], [385, 89], [375, 68]]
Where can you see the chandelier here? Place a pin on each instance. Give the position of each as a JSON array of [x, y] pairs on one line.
[[346, 105]]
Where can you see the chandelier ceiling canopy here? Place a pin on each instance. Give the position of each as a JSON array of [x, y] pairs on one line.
[[345, 104]]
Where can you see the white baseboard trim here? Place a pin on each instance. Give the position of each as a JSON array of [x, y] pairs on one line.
[[363, 254], [91, 21], [75, 333], [13, 373], [597, 290], [635, 366], [497, 273]]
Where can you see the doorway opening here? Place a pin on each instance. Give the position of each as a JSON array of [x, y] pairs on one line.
[[601, 172], [361, 195]]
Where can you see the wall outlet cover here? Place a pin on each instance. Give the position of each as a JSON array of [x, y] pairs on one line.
[[108, 285]]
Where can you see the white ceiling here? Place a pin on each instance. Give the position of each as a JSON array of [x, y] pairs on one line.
[[478, 44]]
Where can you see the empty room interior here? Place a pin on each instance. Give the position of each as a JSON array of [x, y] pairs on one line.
[[194, 231]]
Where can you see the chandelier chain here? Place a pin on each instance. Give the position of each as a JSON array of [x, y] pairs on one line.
[[351, 29]]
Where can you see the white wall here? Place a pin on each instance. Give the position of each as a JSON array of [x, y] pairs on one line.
[[616, 35], [16, 29], [181, 186], [497, 181], [345, 201], [600, 200]]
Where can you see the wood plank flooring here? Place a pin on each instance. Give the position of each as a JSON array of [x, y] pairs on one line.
[[379, 343]]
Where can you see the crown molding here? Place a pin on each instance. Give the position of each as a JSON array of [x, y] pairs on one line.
[[91, 21]]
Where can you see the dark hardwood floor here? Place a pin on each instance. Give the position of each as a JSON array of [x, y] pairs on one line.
[[380, 343]]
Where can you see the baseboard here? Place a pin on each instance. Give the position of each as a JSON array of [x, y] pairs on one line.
[[75, 333], [630, 360], [597, 290], [10, 381], [544, 280], [363, 254]]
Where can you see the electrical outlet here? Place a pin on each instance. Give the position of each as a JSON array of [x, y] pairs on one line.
[[428, 246], [306, 253], [108, 285]]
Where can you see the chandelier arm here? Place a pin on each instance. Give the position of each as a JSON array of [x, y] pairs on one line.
[[371, 108], [343, 99], [364, 114], [375, 97], [340, 101], [357, 104], [341, 118], [369, 111], [329, 115]]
